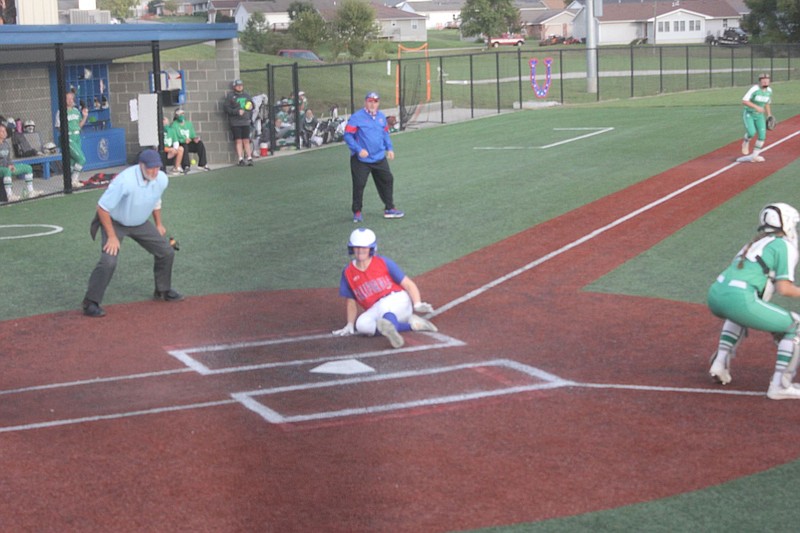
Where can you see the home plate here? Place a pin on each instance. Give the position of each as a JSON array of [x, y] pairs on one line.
[[347, 366]]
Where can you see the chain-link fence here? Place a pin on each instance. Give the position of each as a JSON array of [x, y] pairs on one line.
[[416, 89]]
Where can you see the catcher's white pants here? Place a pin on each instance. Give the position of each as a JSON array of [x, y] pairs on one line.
[[398, 303]]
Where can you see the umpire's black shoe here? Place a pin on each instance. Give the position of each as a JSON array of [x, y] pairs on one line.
[[92, 309], [168, 296]]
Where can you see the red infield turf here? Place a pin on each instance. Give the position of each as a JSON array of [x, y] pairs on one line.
[[206, 415]]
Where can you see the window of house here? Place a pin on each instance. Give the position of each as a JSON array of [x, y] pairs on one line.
[[414, 24]]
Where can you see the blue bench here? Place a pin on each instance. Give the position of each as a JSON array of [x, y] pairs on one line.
[[44, 160]]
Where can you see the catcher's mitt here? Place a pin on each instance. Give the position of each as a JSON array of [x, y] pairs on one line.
[[771, 122]]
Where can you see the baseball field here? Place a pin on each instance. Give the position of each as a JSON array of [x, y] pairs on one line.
[[567, 252]]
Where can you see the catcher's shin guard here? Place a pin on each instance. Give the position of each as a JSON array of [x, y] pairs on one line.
[[791, 369]]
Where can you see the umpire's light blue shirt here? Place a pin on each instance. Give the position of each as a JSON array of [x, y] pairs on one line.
[[130, 198]]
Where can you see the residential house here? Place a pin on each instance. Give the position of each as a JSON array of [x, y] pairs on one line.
[[675, 21], [549, 22], [225, 8], [395, 24]]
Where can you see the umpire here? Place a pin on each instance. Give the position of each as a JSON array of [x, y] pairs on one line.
[[124, 210], [367, 135]]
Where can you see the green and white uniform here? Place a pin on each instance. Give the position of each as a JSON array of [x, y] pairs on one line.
[[738, 292], [755, 123], [740, 296], [20, 169]]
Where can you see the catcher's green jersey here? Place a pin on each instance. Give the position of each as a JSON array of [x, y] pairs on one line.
[[758, 96], [779, 256]]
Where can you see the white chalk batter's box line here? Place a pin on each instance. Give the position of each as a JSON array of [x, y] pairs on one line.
[[185, 355], [544, 379]]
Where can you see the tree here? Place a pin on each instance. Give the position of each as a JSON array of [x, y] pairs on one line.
[[309, 28], [353, 26], [295, 8], [776, 21], [489, 18], [120, 9], [255, 35]]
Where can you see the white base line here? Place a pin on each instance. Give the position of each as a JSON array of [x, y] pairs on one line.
[[589, 236], [595, 131]]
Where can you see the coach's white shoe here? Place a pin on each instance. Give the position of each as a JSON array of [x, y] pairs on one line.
[[418, 323], [779, 392], [720, 370], [387, 329], [745, 147]]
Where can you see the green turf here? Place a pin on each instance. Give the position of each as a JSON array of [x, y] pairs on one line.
[[284, 224]]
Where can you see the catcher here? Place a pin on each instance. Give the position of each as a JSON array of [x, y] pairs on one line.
[[741, 294], [757, 116], [389, 297]]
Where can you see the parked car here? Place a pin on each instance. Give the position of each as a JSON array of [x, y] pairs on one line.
[[507, 39], [300, 54], [730, 37]]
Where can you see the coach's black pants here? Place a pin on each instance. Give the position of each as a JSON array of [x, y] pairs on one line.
[[381, 175]]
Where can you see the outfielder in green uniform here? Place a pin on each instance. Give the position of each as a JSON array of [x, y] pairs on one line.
[[756, 102], [741, 294], [76, 118]]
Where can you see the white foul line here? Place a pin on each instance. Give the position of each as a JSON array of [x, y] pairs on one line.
[[595, 131], [589, 236]]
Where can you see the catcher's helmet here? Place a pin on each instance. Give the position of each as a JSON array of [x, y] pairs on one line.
[[363, 238], [779, 217], [29, 126]]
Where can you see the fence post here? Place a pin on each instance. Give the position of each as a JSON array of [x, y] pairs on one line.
[[687, 67], [561, 71], [441, 89], [632, 71], [295, 90], [660, 70], [471, 89], [497, 78], [519, 74], [273, 140]]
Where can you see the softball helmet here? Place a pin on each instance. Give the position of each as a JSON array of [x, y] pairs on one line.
[[363, 238], [29, 126], [779, 217]]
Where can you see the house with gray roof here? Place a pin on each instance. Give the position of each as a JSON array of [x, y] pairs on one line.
[[660, 22], [395, 24]]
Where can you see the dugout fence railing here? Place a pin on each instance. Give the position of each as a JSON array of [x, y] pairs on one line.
[[456, 86]]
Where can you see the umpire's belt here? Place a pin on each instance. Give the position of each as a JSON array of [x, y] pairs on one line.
[[737, 283]]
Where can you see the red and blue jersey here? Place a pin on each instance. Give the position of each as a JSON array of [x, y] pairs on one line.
[[370, 133], [366, 287]]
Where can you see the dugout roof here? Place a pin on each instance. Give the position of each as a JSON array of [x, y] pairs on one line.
[[93, 43]]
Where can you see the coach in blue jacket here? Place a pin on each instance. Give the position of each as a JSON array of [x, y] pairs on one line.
[[367, 135]]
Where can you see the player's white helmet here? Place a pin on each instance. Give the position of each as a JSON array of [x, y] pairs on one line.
[[29, 126], [779, 217], [363, 238]]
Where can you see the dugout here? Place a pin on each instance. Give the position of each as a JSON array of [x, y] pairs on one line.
[[109, 66]]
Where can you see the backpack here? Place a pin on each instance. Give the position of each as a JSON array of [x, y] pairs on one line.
[[23, 146]]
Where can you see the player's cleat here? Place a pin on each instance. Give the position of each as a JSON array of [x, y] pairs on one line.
[[76, 184], [33, 194], [720, 370], [12, 197], [745, 147], [418, 323], [175, 171], [393, 213], [206, 168], [387, 329], [779, 392], [758, 159], [249, 162], [92, 309], [241, 162], [168, 296], [357, 217]]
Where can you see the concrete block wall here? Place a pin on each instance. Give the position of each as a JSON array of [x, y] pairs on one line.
[[25, 94], [207, 82]]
